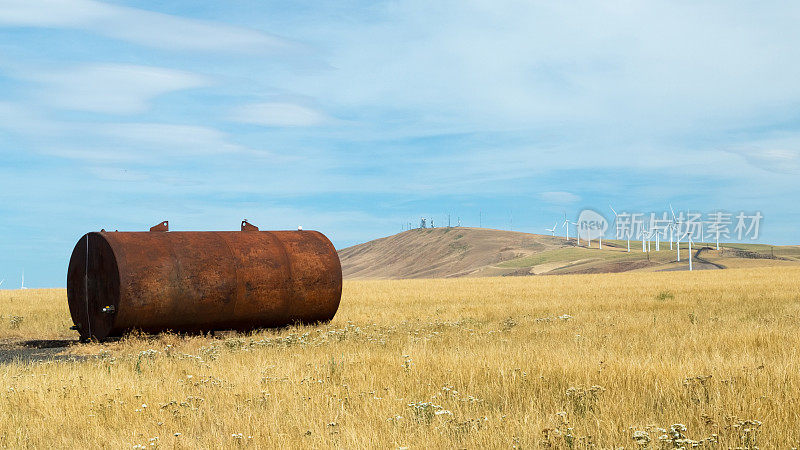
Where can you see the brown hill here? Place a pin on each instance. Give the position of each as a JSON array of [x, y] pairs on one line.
[[460, 251]]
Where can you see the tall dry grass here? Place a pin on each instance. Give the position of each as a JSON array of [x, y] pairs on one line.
[[561, 362]]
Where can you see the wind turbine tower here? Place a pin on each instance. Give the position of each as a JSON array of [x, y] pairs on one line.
[[615, 219], [644, 246], [577, 232], [689, 235], [589, 241], [676, 226]]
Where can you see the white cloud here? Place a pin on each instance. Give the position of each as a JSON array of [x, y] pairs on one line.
[[150, 144], [144, 143], [20, 118], [606, 70], [279, 115], [559, 197], [771, 156], [136, 25], [193, 139], [110, 88], [627, 91]]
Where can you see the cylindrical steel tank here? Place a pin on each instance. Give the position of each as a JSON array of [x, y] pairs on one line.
[[200, 281]]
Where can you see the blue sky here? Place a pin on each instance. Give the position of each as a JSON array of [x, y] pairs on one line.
[[358, 117]]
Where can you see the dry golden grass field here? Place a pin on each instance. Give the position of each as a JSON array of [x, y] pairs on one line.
[[633, 360]]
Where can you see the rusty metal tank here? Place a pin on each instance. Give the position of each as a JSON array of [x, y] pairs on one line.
[[201, 281]]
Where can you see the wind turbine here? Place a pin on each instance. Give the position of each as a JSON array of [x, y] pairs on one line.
[[577, 232], [565, 225], [675, 225], [1, 281], [552, 230], [672, 226], [588, 240], [644, 236], [690, 247], [22, 286], [616, 216]]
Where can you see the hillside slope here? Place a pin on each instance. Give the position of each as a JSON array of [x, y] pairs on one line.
[[459, 251]]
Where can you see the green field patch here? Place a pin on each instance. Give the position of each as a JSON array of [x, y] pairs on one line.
[[791, 252], [570, 255], [563, 255], [760, 248]]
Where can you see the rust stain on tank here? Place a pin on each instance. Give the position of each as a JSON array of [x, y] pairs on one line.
[[201, 281]]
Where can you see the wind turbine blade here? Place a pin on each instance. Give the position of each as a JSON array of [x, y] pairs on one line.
[[613, 210], [673, 213]]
